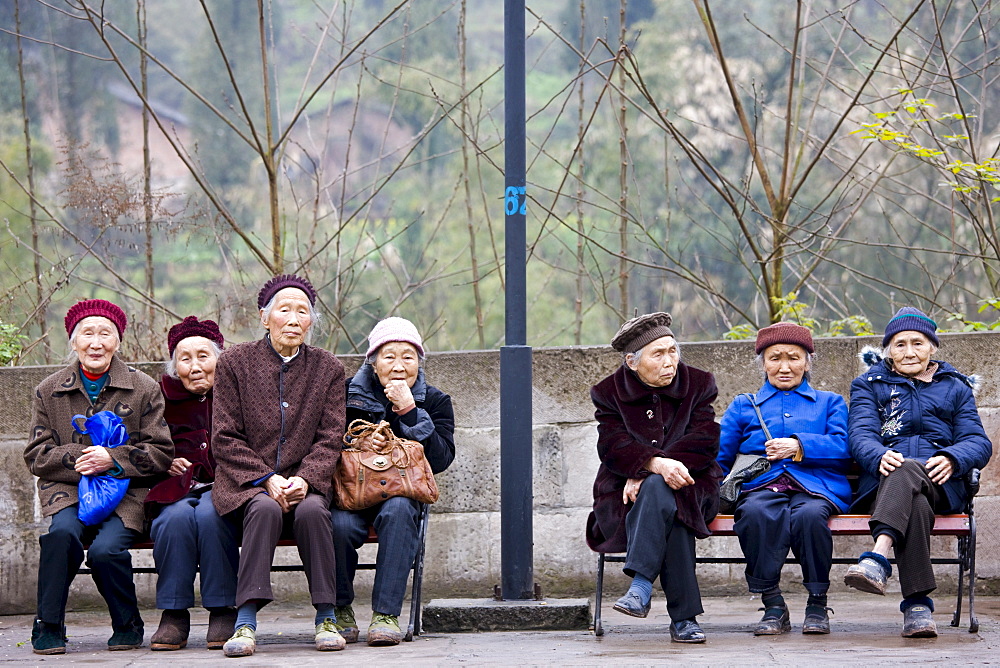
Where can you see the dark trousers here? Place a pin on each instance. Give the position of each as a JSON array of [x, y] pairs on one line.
[[658, 545], [904, 508], [395, 522], [264, 524], [189, 537], [770, 523], [108, 558]]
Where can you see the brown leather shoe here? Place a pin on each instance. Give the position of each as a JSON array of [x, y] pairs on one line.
[[221, 625], [175, 626]]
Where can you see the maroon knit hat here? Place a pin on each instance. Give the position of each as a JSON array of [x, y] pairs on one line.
[[784, 332], [285, 281], [101, 307], [191, 326]]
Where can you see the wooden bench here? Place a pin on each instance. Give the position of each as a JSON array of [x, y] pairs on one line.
[[962, 527], [417, 570]]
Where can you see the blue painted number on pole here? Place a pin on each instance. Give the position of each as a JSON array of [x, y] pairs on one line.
[[516, 200]]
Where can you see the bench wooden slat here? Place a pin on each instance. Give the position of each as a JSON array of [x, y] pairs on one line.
[[857, 525]]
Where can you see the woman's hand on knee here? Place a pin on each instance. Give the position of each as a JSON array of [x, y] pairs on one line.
[[674, 473], [940, 469], [890, 461]]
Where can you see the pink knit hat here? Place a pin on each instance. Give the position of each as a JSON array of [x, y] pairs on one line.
[[98, 307], [394, 329]]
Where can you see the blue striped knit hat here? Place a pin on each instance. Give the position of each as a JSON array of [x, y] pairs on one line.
[[909, 319]]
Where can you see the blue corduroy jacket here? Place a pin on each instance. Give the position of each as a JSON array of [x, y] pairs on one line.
[[818, 419], [918, 420]]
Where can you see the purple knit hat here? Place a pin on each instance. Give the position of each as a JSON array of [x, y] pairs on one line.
[[99, 307], [191, 326], [394, 329], [784, 332], [909, 319], [277, 283]]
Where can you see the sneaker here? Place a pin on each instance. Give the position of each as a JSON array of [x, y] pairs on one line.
[[243, 642], [327, 637], [774, 622], [867, 575], [384, 630], [346, 624], [47, 638], [125, 639], [918, 622], [221, 624], [172, 634]]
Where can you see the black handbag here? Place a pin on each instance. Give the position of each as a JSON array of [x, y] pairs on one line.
[[744, 469]]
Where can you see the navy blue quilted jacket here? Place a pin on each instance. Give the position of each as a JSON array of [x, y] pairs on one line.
[[918, 420]]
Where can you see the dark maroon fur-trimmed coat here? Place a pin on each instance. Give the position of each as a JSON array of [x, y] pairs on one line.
[[637, 422], [272, 416], [189, 417], [54, 445]]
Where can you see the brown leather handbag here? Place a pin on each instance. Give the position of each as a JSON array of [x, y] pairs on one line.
[[369, 474]]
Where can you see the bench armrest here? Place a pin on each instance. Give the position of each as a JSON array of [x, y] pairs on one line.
[[972, 483]]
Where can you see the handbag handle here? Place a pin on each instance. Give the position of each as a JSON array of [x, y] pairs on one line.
[[763, 425], [360, 430]]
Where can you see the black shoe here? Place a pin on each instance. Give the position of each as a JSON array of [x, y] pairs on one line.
[[48, 638], [867, 575], [630, 604], [686, 630], [774, 622], [127, 638], [817, 620]]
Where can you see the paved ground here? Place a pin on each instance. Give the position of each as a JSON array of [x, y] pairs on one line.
[[865, 632]]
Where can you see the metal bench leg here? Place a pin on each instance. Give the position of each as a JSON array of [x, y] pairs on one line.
[[973, 620], [963, 560], [413, 627], [598, 629]]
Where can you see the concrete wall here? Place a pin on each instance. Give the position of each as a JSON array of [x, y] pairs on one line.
[[463, 550]]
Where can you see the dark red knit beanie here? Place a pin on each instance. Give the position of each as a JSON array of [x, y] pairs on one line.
[[277, 283], [191, 326], [784, 332], [99, 307]]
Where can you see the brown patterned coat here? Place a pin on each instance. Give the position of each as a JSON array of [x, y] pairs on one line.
[[54, 444], [272, 416]]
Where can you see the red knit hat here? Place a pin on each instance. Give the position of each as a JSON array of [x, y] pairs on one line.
[[784, 332], [285, 281], [99, 307], [191, 326]]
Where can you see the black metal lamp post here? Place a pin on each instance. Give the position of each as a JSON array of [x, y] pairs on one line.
[[517, 571]]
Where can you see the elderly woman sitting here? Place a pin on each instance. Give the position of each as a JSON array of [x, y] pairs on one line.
[[915, 430], [658, 483], [188, 535], [276, 432], [96, 380], [390, 386], [804, 436]]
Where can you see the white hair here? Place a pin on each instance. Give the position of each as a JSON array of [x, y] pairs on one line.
[[314, 315], [170, 368], [636, 357], [72, 356]]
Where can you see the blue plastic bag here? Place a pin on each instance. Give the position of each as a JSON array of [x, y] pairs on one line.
[[100, 494]]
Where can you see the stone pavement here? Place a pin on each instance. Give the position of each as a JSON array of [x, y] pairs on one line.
[[865, 632]]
